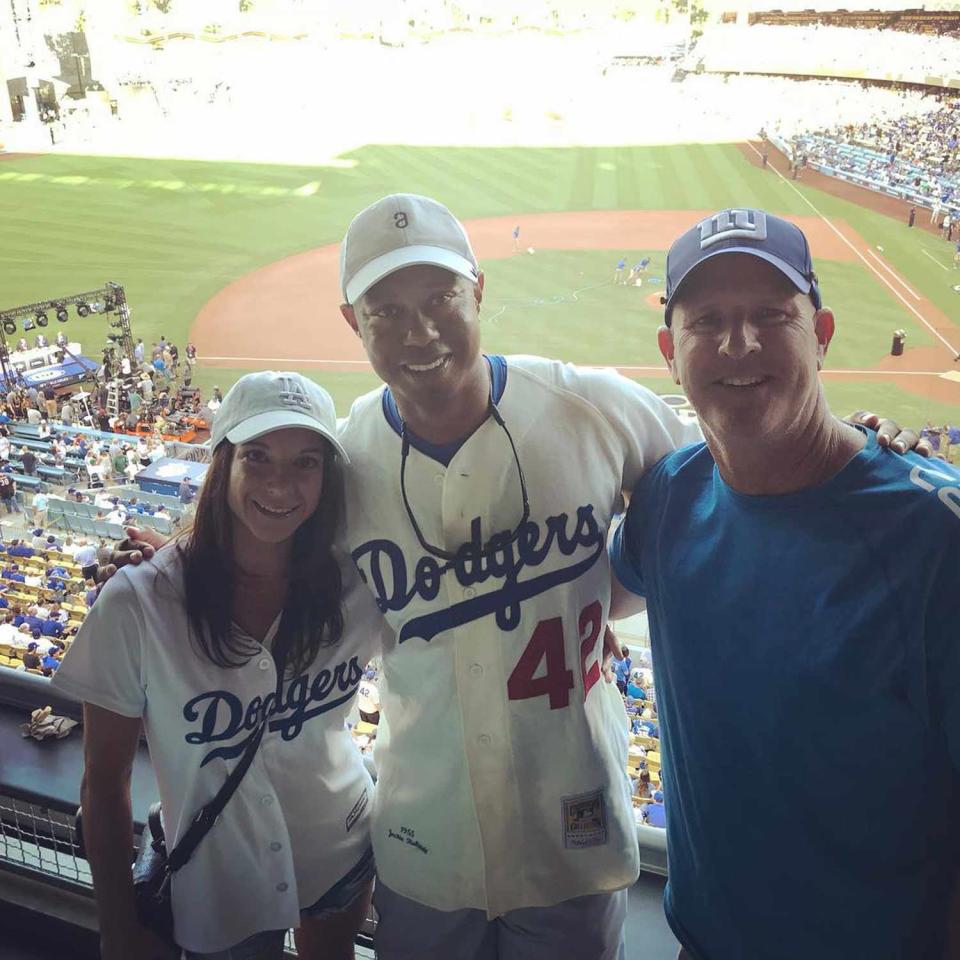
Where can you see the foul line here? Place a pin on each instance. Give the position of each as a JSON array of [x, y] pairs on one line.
[[933, 258], [659, 368], [895, 276], [866, 262]]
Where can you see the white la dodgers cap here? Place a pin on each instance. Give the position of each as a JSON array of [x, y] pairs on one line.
[[399, 231], [259, 403]]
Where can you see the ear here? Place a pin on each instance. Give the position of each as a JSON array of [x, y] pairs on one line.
[[665, 341], [350, 316], [478, 288], [824, 325]]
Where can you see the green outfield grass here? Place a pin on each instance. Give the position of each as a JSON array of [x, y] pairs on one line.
[[176, 232]]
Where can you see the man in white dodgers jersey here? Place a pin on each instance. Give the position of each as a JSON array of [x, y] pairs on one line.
[[478, 509]]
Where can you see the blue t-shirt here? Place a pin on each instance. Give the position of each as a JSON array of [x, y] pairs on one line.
[[806, 652], [623, 669], [656, 815]]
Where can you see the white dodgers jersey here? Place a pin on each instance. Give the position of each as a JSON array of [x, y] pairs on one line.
[[502, 771]]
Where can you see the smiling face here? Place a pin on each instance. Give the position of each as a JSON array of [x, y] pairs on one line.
[[420, 328], [746, 347], [275, 484]]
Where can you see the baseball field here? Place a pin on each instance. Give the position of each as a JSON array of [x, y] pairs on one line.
[[241, 258]]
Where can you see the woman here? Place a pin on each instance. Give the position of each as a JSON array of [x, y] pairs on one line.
[[249, 614]]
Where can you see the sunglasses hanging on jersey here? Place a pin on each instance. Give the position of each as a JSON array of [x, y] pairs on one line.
[[497, 540]]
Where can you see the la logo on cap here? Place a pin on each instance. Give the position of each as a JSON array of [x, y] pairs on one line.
[[730, 224], [292, 394]]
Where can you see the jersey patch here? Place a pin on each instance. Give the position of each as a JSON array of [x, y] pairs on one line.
[[584, 820]]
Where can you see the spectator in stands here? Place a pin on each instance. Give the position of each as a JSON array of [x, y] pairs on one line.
[[50, 402], [17, 548], [90, 594], [39, 540], [622, 670], [51, 627], [8, 493], [634, 689], [186, 606], [86, 553], [185, 491], [143, 452], [32, 414], [655, 814], [52, 542], [791, 519], [66, 412], [138, 351], [40, 504], [31, 659], [117, 514], [28, 461], [157, 450], [51, 661]]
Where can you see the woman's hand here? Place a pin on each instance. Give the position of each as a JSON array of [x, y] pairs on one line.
[[138, 546]]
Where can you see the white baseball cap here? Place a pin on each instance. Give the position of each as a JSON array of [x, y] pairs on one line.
[[399, 231], [259, 403]]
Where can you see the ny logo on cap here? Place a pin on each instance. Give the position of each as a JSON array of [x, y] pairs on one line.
[[729, 224], [292, 394]]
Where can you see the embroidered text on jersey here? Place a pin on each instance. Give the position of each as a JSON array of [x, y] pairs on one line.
[[383, 566], [224, 714]]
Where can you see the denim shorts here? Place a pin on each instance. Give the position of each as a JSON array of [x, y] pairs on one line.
[[268, 944]]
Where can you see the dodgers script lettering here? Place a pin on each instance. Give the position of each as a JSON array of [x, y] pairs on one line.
[[383, 566], [223, 715]]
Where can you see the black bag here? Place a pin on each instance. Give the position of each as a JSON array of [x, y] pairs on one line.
[[154, 866]]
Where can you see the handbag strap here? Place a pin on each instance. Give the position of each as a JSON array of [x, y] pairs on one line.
[[208, 814]]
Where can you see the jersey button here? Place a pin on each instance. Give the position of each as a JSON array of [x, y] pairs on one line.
[[264, 664], [266, 800], [476, 669], [438, 478], [282, 887], [469, 592], [275, 846], [484, 738]]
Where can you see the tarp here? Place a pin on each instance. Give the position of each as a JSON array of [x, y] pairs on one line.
[[164, 475], [60, 374]]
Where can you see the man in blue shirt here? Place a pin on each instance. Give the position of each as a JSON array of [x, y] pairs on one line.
[[655, 813], [801, 585], [622, 670]]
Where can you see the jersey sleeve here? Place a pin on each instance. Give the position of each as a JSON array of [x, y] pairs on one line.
[[104, 664], [365, 629], [646, 427]]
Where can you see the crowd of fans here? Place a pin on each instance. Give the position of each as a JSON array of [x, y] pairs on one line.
[[634, 679], [43, 598], [916, 157]]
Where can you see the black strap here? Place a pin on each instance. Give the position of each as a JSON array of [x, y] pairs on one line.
[[208, 814]]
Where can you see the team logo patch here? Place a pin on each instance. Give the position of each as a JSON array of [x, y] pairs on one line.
[[354, 815], [730, 224], [292, 394], [584, 820]]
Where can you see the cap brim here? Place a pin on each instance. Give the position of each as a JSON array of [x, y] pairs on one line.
[[263, 423], [383, 266], [802, 284]]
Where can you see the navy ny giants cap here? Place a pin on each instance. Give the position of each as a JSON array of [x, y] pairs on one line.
[[755, 232]]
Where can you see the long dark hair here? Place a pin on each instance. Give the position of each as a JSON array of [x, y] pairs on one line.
[[312, 614]]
